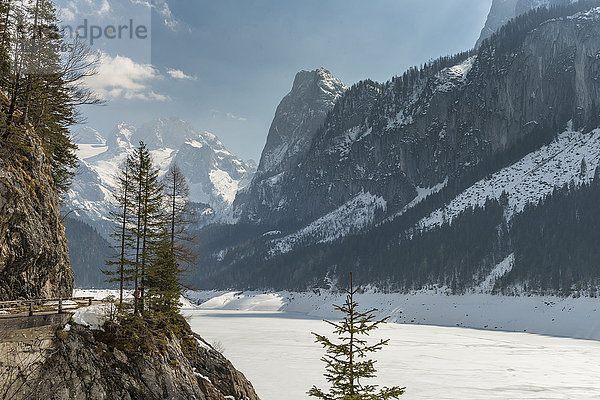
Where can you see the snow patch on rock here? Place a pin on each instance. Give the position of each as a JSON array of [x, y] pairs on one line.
[[93, 316]]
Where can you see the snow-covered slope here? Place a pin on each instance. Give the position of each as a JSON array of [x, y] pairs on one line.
[[530, 179], [214, 174], [575, 317], [354, 216]]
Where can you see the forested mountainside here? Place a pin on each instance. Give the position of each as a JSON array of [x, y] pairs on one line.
[[447, 156], [435, 122], [88, 252]]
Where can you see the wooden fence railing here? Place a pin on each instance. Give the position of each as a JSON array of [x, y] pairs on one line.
[[43, 305]]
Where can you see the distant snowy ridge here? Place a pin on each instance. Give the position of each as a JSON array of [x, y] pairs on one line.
[[214, 174], [530, 179]]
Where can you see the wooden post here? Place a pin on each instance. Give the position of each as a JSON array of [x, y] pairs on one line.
[[60, 305], [31, 309]]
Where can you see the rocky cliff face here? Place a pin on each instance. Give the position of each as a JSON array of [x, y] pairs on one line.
[[297, 119], [500, 13], [75, 364], [34, 257]]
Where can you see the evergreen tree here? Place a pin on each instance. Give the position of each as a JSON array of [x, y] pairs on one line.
[[176, 193], [42, 86], [147, 199], [346, 361], [163, 279], [150, 241], [122, 219]]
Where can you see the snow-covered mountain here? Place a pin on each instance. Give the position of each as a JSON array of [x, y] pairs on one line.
[[214, 174], [400, 169], [571, 159]]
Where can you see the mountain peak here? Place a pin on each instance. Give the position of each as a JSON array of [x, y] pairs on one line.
[[298, 117], [87, 135], [321, 77]]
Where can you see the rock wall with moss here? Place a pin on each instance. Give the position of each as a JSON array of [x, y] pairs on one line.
[[34, 257]]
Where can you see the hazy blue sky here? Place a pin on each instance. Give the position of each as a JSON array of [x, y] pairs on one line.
[[225, 65]]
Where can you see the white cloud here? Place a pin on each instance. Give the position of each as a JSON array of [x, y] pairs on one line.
[[161, 7], [84, 8], [179, 74], [147, 96], [236, 117], [218, 114], [165, 12], [121, 77]]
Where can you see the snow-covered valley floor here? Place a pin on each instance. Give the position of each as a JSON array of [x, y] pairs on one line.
[[476, 346], [275, 350]]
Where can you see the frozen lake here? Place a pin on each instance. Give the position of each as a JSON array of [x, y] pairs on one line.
[[276, 351]]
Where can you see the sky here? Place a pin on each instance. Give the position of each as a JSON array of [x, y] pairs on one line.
[[225, 65]]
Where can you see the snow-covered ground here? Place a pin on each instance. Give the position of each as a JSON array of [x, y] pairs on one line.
[[277, 353], [476, 346], [545, 315]]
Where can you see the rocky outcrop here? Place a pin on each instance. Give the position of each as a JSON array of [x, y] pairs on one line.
[[298, 117], [34, 257], [77, 365]]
